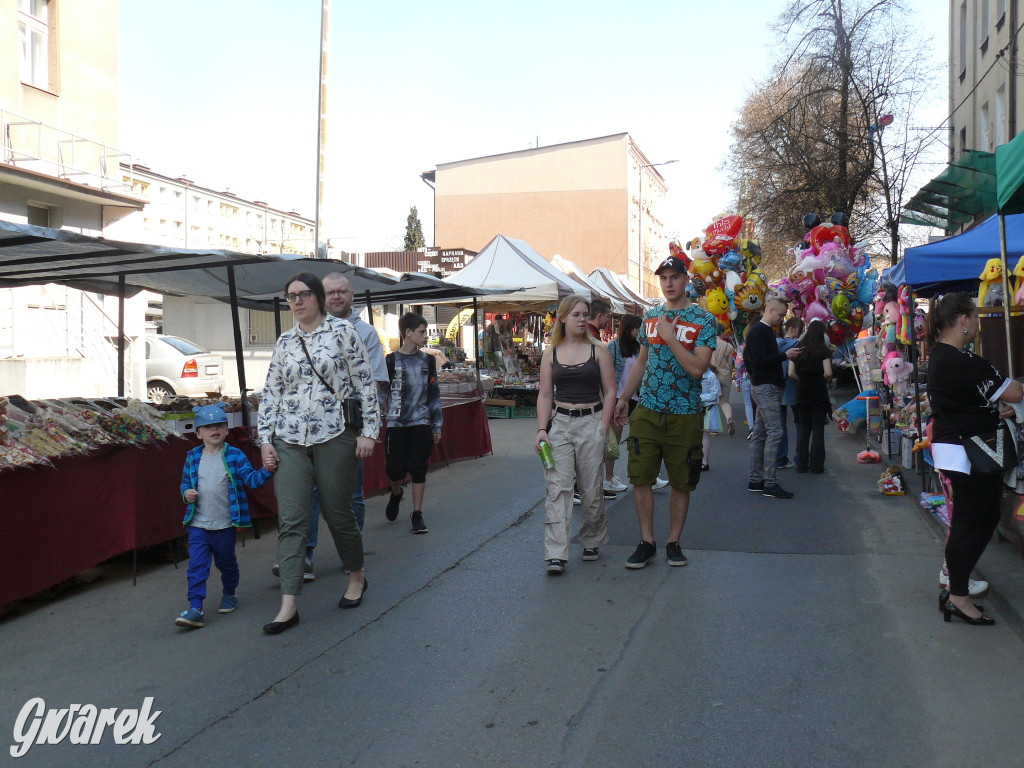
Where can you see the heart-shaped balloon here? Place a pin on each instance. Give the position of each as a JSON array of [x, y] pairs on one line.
[[822, 234]]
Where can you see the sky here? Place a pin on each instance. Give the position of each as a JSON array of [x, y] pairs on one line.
[[225, 93]]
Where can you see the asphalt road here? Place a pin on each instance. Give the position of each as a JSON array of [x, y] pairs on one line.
[[803, 632]]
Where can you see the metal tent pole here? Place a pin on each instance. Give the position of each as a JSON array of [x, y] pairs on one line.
[[476, 344], [239, 360], [1007, 295], [120, 335], [277, 317]]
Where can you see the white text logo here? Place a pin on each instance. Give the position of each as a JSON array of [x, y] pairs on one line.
[[82, 724]]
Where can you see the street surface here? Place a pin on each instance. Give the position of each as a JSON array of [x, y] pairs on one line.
[[803, 632]]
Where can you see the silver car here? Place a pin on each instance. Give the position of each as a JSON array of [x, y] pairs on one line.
[[177, 366]]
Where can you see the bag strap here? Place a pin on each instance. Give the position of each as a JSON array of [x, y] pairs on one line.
[[315, 371]]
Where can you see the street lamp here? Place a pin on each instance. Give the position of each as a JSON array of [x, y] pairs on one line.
[[640, 224]]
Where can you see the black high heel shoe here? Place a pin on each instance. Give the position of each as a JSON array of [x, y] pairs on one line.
[[951, 610], [944, 598], [346, 603]]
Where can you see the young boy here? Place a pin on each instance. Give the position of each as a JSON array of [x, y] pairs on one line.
[[211, 485], [414, 416]]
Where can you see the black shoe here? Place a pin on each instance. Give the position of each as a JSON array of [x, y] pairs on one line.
[[392, 511], [645, 552], [801, 470], [555, 567], [817, 471], [674, 554], [757, 487], [418, 526], [346, 603], [704, 467], [608, 495], [591, 553], [944, 598], [277, 627], [776, 491], [576, 498], [951, 610], [730, 427]]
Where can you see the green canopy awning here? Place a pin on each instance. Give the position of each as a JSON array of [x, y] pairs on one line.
[[1010, 176], [964, 190]]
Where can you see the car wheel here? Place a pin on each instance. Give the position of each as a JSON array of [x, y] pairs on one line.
[[158, 392]]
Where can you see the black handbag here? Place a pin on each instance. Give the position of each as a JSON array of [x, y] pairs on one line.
[[991, 453], [351, 407]]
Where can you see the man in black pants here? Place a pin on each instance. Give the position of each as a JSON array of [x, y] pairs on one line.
[[764, 361]]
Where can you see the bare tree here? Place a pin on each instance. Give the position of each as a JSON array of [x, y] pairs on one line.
[[810, 136]]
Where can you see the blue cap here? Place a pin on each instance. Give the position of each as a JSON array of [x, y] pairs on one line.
[[210, 414]]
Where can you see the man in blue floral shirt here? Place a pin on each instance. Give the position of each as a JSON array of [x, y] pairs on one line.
[[676, 342]]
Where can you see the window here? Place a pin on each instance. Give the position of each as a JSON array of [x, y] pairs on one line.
[[963, 139], [983, 30], [262, 330], [1000, 123], [34, 31], [984, 134], [197, 203], [38, 215], [1000, 13], [963, 39]]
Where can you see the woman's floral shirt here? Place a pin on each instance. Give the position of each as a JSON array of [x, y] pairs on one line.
[[296, 406]]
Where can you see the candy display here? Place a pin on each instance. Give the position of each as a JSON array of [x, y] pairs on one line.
[[35, 432]]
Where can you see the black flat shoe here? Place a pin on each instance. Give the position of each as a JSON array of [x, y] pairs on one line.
[[944, 598], [346, 603], [951, 610], [277, 627]]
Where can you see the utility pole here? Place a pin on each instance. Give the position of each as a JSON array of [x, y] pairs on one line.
[[321, 132]]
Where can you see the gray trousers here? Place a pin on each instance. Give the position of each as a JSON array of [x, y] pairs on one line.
[[331, 466], [764, 445], [578, 446]]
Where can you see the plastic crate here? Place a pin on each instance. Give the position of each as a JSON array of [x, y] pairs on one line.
[[499, 411], [524, 412]]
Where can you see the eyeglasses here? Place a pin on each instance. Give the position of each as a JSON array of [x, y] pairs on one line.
[[291, 298], [338, 293]]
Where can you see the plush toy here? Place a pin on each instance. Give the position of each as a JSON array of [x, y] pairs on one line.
[[903, 321], [897, 373], [990, 276], [891, 482], [1018, 289]]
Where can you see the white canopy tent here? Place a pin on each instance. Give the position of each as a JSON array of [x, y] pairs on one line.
[[607, 281], [572, 270], [527, 278]]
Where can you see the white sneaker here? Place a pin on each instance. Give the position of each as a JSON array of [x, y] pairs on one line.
[[660, 483], [615, 485], [974, 588]]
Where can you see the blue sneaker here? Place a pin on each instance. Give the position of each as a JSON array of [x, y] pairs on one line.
[[228, 603], [191, 618]]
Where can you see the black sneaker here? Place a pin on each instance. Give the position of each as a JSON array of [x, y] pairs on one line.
[[757, 487], [418, 526], [608, 495], [674, 553], [591, 553], [392, 511], [777, 492], [555, 567], [645, 552], [576, 498]]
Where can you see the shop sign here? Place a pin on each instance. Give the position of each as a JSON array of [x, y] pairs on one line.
[[442, 262]]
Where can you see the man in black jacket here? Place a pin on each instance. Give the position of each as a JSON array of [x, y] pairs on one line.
[[763, 360]]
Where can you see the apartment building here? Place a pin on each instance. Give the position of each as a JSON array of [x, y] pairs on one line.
[[598, 202], [60, 168]]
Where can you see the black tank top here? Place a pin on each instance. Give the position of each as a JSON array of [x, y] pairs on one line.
[[576, 383]]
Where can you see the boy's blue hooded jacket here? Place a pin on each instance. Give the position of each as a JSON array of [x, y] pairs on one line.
[[240, 472]]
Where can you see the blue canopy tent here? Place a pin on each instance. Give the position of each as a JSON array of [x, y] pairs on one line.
[[955, 264]]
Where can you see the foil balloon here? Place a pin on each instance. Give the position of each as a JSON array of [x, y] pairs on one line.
[[836, 332], [822, 234], [698, 285], [841, 307], [855, 320], [718, 302]]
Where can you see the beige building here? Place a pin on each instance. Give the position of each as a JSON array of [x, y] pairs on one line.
[[598, 202], [60, 168]]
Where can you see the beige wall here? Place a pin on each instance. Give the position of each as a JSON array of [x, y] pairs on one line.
[[83, 95], [578, 200]]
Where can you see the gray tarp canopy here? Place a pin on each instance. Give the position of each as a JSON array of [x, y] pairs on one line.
[[36, 255]]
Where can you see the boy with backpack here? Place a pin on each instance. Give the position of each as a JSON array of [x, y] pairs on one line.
[[413, 407]]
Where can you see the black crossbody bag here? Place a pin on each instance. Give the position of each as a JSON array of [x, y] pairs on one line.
[[351, 407], [990, 453]]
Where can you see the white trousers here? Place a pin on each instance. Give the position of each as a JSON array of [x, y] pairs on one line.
[[578, 446]]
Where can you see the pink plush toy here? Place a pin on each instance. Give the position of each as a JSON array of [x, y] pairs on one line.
[[897, 374]]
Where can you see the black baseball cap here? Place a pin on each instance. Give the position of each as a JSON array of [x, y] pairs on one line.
[[674, 263]]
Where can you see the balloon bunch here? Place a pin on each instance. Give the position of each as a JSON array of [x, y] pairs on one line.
[[724, 273], [830, 280]]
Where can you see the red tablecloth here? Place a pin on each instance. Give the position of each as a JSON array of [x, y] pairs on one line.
[[55, 522]]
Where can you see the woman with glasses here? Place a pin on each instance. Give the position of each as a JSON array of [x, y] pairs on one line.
[[316, 368], [574, 408]]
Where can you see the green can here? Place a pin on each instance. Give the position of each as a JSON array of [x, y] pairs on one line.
[[546, 457]]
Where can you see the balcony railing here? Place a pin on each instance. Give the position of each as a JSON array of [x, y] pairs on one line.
[[35, 146]]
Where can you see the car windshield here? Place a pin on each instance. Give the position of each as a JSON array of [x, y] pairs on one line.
[[184, 346]]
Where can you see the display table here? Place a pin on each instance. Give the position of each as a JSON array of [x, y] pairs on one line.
[[58, 521]]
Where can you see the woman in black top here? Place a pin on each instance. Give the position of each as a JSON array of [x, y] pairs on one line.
[[964, 391], [812, 371], [574, 406]]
